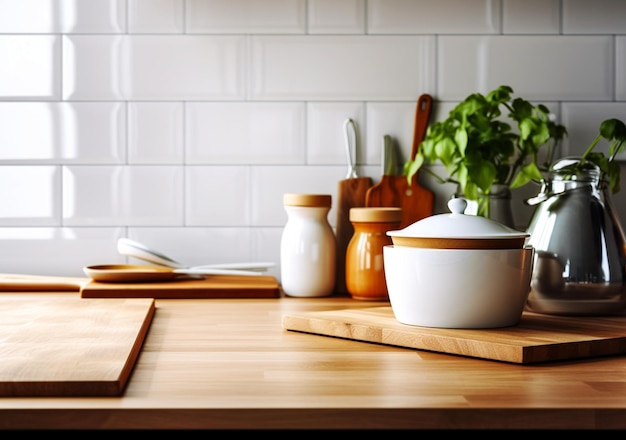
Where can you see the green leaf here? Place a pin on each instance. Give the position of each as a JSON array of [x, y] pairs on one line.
[[461, 175], [614, 176], [461, 138], [427, 149], [483, 174], [471, 191], [527, 174], [444, 150], [411, 168], [607, 128]]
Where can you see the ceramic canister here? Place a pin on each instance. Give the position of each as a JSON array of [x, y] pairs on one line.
[[365, 275], [308, 246]]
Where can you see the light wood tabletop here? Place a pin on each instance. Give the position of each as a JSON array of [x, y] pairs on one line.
[[229, 364]]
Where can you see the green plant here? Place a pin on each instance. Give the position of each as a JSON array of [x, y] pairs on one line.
[[614, 131], [479, 148]]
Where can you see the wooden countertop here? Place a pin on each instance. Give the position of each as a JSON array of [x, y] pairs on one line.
[[228, 363]]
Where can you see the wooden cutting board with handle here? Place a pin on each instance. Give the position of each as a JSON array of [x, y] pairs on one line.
[[537, 337], [416, 201], [351, 194]]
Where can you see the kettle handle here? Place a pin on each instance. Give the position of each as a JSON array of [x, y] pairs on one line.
[[542, 196]]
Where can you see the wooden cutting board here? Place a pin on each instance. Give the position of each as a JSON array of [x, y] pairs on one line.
[[537, 338], [351, 194], [212, 286], [39, 283], [70, 346], [417, 202]]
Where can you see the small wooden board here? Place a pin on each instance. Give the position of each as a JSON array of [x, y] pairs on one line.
[[70, 346], [537, 338], [212, 286], [351, 194]]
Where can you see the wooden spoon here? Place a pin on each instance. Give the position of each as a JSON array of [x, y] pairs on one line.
[[124, 273]]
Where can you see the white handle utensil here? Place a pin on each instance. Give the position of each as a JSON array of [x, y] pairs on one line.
[[134, 249]]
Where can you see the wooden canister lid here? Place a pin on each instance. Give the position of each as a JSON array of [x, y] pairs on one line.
[[376, 215], [291, 199]]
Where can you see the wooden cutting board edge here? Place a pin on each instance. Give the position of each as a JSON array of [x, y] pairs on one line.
[[129, 366], [356, 324], [218, 286]]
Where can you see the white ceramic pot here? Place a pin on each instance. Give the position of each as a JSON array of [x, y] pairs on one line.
[[458, 288], [458, 271]]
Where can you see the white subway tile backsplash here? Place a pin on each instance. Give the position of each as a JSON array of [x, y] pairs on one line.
[[155, 133], [396, 119], [266, 247], [18, 17], [531, 16], [245, 133], [92, 66], [429, 17], [183, 122], [583, 123], [153, 67], [122, 195], [217, 196], [30, 196], [155, 16], [245, 16], [326, 142], [538, 68], [596, 17], [62, 132], [67, 16], [272, 182], [342, 67], [31, 67], [336, 16], [57, 251], [197, 246], [620, 68]]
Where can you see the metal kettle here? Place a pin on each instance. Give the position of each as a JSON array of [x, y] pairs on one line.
[[579, 265]]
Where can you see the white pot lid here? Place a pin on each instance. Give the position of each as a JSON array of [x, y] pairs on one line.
[[457, 226]]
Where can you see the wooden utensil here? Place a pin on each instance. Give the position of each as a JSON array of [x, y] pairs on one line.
[[385, 192], [351, 194], [416, 201], [123, 273]]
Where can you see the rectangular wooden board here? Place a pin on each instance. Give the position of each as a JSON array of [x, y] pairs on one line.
[[212, 286], [39, 283], [537, 337], [70, 346]]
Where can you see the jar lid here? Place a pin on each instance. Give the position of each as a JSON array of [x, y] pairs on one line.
[[458, 231], [307, 200], [376, 215]]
